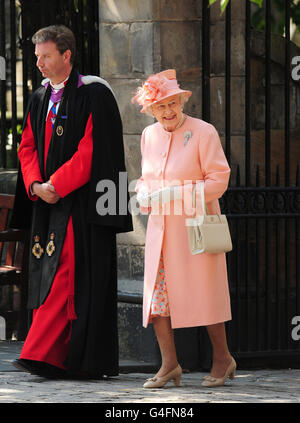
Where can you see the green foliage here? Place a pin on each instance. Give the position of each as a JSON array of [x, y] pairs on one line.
[[277, 16], [19, 129], [224, 3]]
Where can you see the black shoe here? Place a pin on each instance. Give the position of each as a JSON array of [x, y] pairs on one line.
[[39, 368], [24, 365]]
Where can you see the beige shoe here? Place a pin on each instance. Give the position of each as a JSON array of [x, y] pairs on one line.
[[159, 382], [210, 381]]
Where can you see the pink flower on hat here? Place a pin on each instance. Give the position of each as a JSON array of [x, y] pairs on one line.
[[154, 88]]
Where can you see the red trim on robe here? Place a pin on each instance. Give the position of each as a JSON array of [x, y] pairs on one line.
[[49, 335], [29, 159]]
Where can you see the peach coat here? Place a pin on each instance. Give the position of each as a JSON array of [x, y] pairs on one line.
[[197, 285]]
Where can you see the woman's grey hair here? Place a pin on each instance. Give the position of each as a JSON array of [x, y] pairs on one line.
[[62, 36], [184, 98]]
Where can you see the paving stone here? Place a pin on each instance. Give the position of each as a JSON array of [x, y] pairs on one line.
[[255, 386], [249, 386]]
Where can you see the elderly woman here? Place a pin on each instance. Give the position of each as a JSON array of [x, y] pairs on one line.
[[181, 289]]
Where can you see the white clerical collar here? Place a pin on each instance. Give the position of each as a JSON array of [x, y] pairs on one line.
[[60, 85]]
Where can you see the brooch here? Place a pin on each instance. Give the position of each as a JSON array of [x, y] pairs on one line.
[[59, 130], [187, 135], [51, 247], [37, 249]]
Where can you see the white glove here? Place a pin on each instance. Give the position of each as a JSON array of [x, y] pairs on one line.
[[167, 194], [143, 197]]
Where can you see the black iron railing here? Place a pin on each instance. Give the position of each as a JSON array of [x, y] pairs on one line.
[[263, 212], [264, 266]]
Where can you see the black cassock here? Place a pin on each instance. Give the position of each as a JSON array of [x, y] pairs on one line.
[[93, 344]]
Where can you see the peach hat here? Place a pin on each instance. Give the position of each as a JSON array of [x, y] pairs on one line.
[[158, 87]]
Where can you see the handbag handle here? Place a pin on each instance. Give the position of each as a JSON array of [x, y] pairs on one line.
[[202, 198]]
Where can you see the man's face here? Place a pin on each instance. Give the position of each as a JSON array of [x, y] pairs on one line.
[[50, 62]]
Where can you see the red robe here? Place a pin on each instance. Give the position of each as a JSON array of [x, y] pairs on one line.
[[49, 334]]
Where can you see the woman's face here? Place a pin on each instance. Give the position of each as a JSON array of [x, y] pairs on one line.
[[168, 112]]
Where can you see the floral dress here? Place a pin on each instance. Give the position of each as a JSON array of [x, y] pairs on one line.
[[160, 302]]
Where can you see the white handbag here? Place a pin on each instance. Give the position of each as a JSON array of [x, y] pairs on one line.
[[208, 233]]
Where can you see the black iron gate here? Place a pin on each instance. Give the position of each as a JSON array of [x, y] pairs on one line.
[[264, 217]]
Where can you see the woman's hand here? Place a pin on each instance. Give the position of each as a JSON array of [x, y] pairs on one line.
[[167, 194], [143, 197], [46, 192]]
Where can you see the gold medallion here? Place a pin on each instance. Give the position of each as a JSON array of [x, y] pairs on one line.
[[51, 247], [37, 249], [59, 130]]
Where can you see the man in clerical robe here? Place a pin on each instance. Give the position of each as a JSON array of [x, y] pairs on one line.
[[72, 140]]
